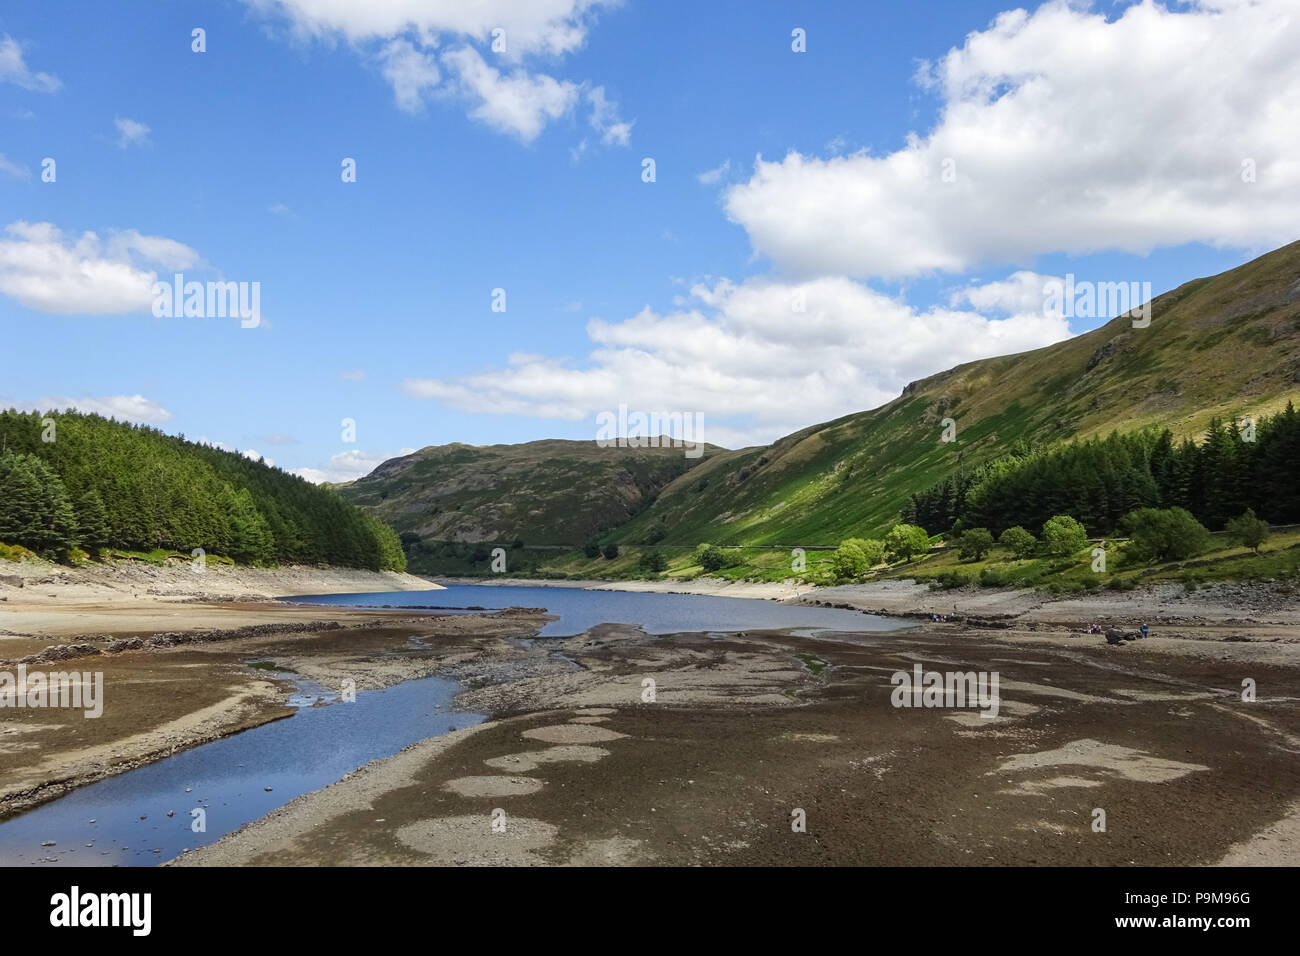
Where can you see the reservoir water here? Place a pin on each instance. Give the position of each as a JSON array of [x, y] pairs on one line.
[[228, 779], [579, 609]]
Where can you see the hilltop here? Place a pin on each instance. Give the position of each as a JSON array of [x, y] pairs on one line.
[[549, 492]]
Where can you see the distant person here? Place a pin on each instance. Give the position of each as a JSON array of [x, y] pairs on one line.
[[1145, 632]]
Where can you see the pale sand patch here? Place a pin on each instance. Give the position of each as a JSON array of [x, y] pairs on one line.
[[1018, 708], [811, 738], [1007, 709], [1292, 743], [1276, 845], [1038, 825], [1038, 787], [1163, 695], [874, 763], [1042, 690], [1047, 690], [1128, 763], [597, 711], [17, 746], [589, 720], [532, 759], [973, 718], [615, 851], [490, 785], [572, 734], [15, 727], [450, 841]]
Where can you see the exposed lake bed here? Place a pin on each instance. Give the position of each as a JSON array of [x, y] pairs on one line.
[[736, 728]]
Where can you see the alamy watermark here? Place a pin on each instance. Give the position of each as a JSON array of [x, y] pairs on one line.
[[208, 300], [75, 689], [128, 910], [624, 429], [1098, 300], [922, 688]]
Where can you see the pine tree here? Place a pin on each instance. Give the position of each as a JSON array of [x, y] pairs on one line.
[[92, 522], [20, 501], [34, 507]]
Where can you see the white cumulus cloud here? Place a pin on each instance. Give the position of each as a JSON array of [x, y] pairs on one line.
[[758, 359], [46, 271], [14, 69], [1061, 131], [10, 168], [126, 408], [605, 120], [130, 132], [518, 102], [344, 466], [1021, 293], [411, 71], [427, 48], [713, 176], [536, 26]]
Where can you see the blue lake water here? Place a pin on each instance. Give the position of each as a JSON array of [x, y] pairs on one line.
[[228, 779], [580, 609]]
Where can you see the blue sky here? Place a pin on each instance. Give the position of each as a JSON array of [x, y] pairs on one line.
[[1106, 142]]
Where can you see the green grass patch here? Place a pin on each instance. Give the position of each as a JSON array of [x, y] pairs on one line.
[[15, 552], [271, 666], [815, 664]]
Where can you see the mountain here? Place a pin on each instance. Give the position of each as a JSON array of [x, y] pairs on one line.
[[545, 492], [1219, 347], [72, 481]]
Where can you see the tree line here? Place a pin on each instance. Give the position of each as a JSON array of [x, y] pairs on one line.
[[100, 483], [1238, 467]]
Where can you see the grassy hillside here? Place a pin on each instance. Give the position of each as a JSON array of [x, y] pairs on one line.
[[1218, 347], [73, 483], [543, 492]]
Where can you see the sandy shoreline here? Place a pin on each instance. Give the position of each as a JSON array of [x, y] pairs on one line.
[[34, 580], [43, 600]]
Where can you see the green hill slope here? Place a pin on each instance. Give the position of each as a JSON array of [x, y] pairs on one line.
[[1217, 347], [544, 492], [93, 483]]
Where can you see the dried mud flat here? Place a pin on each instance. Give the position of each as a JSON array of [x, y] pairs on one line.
[[577, 768], [578, 765]]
